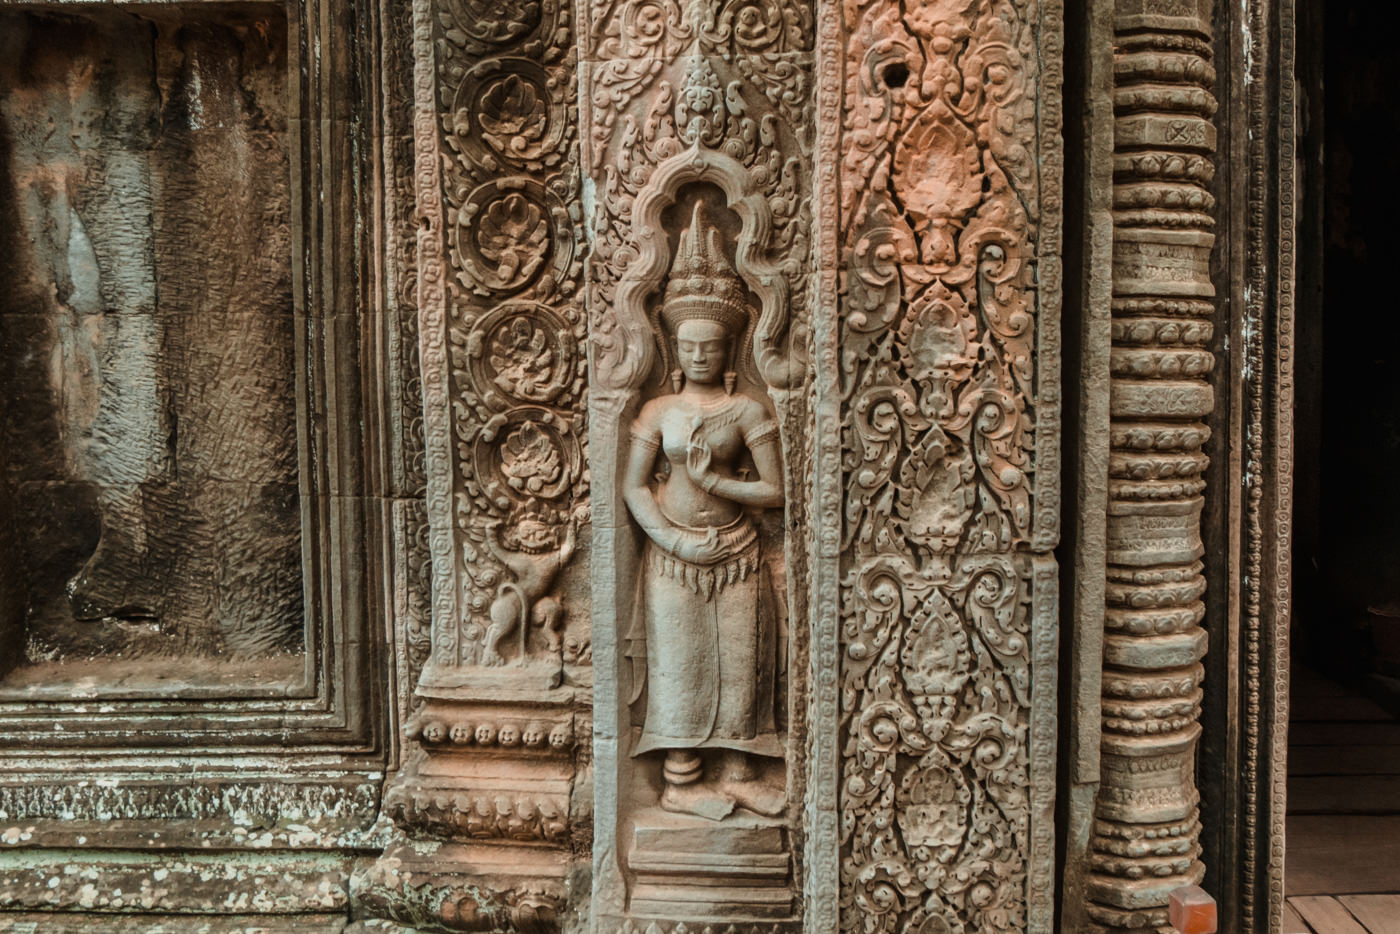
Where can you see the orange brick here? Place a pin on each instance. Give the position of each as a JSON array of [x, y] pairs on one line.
[[1192, 911]]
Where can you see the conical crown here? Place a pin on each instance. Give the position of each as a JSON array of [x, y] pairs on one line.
[[702, 284]]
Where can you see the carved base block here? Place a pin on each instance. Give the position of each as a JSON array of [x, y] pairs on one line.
[[690, 867], [490, 770], [472, 887]]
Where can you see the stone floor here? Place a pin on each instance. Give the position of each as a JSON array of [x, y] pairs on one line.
[[1343, 862]]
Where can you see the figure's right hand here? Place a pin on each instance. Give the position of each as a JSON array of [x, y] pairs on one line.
[[703, 549]]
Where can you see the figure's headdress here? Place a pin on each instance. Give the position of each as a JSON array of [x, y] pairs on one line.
[[703, 285]]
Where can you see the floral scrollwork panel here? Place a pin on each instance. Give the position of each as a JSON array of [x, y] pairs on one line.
[[947, 588]]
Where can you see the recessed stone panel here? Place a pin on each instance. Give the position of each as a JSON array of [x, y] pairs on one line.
[[149, 356]]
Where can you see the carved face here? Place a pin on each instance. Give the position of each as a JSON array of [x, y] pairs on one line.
[[702, 348]]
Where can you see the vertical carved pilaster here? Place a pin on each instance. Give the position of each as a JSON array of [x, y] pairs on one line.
[[487, 792], [949, 200], [691, 109], [1145, 840]]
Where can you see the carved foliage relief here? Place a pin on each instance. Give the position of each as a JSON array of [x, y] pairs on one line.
[[940, 219], [507, 104]]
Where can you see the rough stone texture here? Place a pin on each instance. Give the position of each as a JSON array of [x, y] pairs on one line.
[[193, 346], [148, 333]]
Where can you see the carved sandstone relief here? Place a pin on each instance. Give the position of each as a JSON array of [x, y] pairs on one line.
[[189, 336], [697, 143], [948, 233], [503, 691], [151, 416], [1145, 840]]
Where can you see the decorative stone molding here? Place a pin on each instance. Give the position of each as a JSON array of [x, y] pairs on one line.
[[947, 341], [1147, 824]]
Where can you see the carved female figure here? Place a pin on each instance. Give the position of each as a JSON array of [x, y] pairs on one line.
[[705, 629]]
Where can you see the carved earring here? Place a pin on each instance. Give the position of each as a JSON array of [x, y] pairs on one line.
[[677, 380], [731, 379]]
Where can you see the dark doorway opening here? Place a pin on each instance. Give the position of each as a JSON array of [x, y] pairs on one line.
[[1343, 836]]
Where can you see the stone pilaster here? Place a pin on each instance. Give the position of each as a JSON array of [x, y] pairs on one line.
[[485, 802]]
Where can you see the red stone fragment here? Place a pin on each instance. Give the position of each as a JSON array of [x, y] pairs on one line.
[[1192, 911]]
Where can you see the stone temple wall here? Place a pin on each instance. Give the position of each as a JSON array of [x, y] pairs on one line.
[[532, 466]]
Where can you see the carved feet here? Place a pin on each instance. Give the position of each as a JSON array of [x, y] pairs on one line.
[[702, 800], [736, 785]]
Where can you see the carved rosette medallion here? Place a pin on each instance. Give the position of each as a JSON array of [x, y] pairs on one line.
[[511, 368], [1145, 839], [948, 226]]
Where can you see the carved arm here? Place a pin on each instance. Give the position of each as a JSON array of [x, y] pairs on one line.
[[766, 492], [640, 500]]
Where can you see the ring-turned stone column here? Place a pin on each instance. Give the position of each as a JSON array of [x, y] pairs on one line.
[[1147, 827]]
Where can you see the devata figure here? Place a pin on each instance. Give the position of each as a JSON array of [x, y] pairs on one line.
[[704, 644]]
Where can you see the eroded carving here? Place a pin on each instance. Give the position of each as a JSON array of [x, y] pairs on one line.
[[150, 339], [534, 561]]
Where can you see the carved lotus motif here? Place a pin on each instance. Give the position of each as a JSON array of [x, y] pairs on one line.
[[514, 117], [530, 459], [942, 492], [513, 234], [523, 359], [941, 335], [935, 663]]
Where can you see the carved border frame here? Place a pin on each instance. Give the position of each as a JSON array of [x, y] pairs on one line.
[[1243, 768], [325, 747]]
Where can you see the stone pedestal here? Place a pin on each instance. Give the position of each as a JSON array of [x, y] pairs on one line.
[[684, 866]]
